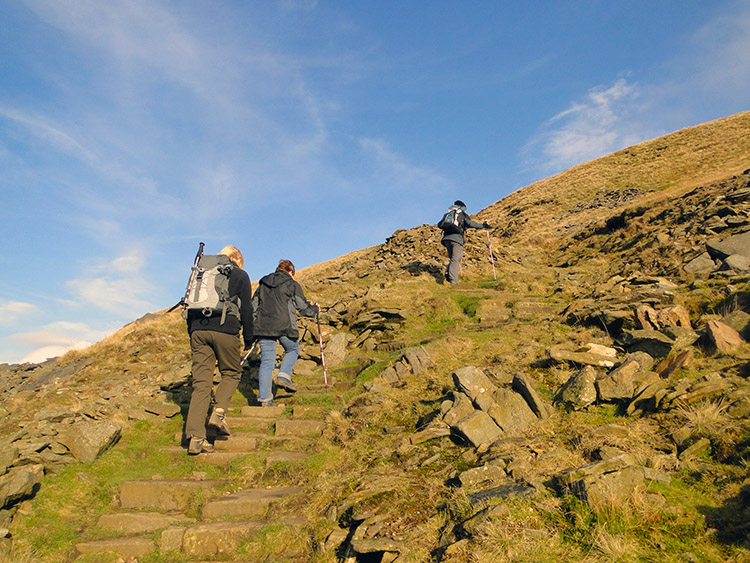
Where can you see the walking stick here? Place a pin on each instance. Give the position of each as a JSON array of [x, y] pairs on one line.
[[322, 353], [193, 272], [492, 256], [250, 351]]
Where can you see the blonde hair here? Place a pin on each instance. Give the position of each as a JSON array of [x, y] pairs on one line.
[[234, 255]]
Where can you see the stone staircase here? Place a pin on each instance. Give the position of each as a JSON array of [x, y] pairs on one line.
[[205, 518]]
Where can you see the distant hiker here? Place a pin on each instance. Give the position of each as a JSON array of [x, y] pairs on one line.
[[215, 339], [277, 301], [454, 223]]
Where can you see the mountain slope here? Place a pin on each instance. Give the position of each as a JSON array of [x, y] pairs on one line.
[[585, 401]]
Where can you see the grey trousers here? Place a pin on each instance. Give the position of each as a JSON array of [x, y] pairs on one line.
[[210, 348], [455, 253]]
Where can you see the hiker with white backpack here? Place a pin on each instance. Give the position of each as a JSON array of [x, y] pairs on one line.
[[453, 224], [218, 306]]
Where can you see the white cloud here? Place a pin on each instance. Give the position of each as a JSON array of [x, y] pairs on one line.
[[708, 76], [10, 311], [597, 125], [57, 338], [118, 287]]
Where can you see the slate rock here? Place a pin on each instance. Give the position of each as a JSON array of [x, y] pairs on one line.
[[482, 476], [8, 455], [580, 357], [675, 362], [418, 359], [736, 244], [702, 264], [580, 390], [473, 382], [525, 386], [508, 409], [655, 343], [462, 407], [335, 349], [478, 428], [610, 489], [736, 262], [87, 440], [20, 483], [722, 337]]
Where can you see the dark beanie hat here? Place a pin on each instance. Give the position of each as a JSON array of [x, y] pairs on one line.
[[459, 202]]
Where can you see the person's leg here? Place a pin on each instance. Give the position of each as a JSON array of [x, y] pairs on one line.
[[265, 372], [204, 362], [229, 356], [447, 246], [456, 253], [291, 353]]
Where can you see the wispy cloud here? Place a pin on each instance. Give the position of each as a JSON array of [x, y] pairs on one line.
[[118, 287], [396, 172], [597, 125], [714, 66], [11, 311]]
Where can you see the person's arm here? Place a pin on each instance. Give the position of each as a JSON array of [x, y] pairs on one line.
[[246, 310], [303, 306], [473, 224]]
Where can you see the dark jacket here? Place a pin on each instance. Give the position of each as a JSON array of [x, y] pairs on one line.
[[276, 302], [241, 290], [455, 233]]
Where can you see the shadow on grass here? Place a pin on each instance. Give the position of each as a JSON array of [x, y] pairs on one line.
[[731, 520]]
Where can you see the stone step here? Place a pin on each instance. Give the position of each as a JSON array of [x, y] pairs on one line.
[[240, 442], [235, 422], [216, 458], [247, 442], [166, 495], [218, 538], [248, 503], [199, 542], [124, 547], [262, 412], [132, 523], [293, 427]]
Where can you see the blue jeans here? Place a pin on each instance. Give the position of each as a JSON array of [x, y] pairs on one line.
[[268, 361]]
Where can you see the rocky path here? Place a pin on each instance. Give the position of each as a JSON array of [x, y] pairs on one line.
[[212, 517]]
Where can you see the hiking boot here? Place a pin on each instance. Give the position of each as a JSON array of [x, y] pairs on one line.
[[199, 445], [268, 403], [283, 381], [218, 420]]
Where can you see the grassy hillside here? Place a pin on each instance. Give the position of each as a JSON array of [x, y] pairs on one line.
[[588, 257]]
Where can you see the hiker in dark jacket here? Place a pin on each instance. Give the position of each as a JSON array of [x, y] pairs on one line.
[[213, 342], [276, 302], [453, 237]]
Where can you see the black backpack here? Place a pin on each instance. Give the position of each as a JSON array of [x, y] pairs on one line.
[[452, 222]]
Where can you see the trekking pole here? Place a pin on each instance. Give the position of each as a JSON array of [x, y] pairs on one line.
[[492, 256], [192, 277], [250, 351], [322, 353]]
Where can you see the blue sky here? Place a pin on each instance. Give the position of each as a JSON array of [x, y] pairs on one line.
[[131, 130]]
